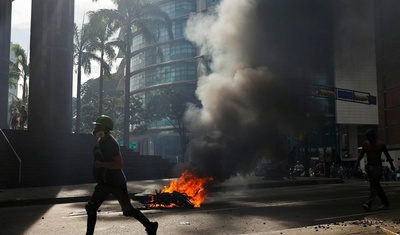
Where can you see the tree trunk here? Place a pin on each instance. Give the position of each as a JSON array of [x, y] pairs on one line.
[[127, 85], [101, 86], [78, 96]]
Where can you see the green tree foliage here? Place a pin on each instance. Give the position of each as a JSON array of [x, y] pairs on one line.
[[136, 17], [83, 56], [13, 79], [170, 104], [113, 105], [20, 69], [13, 76], [90, 101], [102, 31]]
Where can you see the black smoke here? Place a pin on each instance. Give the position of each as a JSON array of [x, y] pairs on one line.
[[264, 54]]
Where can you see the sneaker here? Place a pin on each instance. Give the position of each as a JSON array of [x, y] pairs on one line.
[[152, 228], [366, 207], [384, 207]]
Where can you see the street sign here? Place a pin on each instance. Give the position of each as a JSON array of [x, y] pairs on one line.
[[132, 144]]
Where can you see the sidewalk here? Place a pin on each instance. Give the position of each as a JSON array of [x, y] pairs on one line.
[[387, 222]]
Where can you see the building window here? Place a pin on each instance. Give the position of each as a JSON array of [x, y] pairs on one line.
[[179, 7], [183, 71], [212, 3]]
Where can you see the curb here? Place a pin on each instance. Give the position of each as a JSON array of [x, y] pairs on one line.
[[388, 231]]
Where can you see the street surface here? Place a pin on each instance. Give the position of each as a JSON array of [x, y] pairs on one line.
[[235, 212]]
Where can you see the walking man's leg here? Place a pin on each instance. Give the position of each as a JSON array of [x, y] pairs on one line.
[[373, 192], [151, 227], [374, 175], [91, 211], [130, 211], [383, 197], [372, 189], [99, 195]]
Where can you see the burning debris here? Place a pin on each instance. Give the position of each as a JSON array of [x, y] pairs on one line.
[[186, 192], [163, 200]]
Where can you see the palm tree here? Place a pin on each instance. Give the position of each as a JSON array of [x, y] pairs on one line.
[[137, 17], [13, 75], [103, 29], [21, 67], [82, 57], [13, 80]]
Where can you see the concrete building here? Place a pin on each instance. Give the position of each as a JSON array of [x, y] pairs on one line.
[[354, 69], [365, 61], [388, 72]]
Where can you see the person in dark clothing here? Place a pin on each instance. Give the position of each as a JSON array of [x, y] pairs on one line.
[[107, 170], [14, 119], [23, 116], [374, 148], [290, 162]]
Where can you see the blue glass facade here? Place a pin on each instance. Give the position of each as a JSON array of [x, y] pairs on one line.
[[176, 64], [178, 57], [212, 3]]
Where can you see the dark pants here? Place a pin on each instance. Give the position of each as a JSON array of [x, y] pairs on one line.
[[375, 174], [101, 192]]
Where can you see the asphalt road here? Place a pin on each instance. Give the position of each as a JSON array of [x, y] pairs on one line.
[[235, 212]]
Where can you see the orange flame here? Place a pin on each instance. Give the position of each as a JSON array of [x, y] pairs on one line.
[[190, 185]]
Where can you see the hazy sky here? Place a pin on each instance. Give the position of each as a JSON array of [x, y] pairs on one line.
[[21, 22]]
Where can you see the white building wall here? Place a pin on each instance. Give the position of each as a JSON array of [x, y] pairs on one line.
[[395, 154], [354, 59], [353, 141]]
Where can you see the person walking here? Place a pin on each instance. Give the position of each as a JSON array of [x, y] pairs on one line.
[[290, 162], [373, 148], [398, 174], [107, 171], [23, 116], [14, 119]]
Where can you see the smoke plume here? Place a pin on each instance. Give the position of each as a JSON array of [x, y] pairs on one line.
[[253, 98]]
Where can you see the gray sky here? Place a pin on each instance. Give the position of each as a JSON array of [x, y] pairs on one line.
[[21, 22]]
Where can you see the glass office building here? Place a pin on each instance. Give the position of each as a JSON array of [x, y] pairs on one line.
[[177, 65]]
